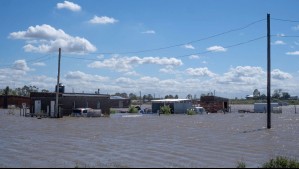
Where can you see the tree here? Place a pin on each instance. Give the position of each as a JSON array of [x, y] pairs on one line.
[[132, 96], [285, 95], [189, 96], [169, 96], [256, 93], [277, 93], [176, 96]]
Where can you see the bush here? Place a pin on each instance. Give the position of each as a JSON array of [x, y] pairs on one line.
[[112, 111], [133, 109], [191, 112], [165, 109], [241, 164], [281, 162]]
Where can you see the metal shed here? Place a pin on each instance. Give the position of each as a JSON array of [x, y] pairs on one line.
[[178, 106]]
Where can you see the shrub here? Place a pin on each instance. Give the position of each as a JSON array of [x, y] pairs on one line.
[[281, 162], [241, 164], [133, 109], [165, 109], [112, 111], [190, 112]]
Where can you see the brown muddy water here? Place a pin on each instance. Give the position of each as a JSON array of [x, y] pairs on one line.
[[209, 140]]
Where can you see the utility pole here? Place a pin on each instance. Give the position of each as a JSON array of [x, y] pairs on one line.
[[140, 99], [57, 114], [268, 73]]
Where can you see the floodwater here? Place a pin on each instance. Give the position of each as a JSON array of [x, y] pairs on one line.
[[209, 140]]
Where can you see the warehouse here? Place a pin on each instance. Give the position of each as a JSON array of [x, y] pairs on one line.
[[177, 106], [45, 102], [119, 102]]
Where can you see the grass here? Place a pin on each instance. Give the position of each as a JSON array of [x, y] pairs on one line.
[[281, 162], [191, 112], [278, 162]]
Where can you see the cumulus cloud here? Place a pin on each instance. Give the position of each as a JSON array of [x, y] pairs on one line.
[[188, 46], [69, 5], [78, 75], [200, 72], [39, 64], [296, 28], [293, 53], [279, 42], [216, 49], [102, 20], [21, 65], [149, 32], [123, 64], [193, 57], [169, 70], [247, 75], [280, 75], [45, 38]]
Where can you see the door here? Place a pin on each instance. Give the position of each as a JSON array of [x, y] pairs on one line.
[[37, 106], [52, 108]]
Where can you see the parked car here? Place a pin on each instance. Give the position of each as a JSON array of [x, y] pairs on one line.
[[199, 110], [86, 112]]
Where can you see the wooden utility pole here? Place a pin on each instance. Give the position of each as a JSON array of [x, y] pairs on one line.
[[57, 114], [268, 73]]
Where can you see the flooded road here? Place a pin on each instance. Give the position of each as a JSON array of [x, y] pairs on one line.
[[209, 140]]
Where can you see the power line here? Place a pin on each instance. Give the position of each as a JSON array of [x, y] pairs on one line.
[[226, 47], [190, 42], [42, 58], [198, 53], [284, 20]]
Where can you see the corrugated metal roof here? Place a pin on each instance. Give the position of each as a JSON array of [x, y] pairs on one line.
[[170, 100]]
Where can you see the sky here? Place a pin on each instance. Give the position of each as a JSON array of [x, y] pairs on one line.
[[157, 47]]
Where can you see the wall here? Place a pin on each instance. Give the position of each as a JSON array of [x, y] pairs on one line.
[[14, 100]]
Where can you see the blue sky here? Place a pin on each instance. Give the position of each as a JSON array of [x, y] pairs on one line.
[[158, 47]]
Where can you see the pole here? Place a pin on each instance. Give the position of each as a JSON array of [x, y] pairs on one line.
[[268, 73], [57, 114]]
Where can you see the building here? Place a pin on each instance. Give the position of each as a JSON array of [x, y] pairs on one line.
[[45, 102], [177, 106], [119, 102], [213, 104], [14, 101]]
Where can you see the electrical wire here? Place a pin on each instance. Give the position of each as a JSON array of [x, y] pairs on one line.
[[190, 42]]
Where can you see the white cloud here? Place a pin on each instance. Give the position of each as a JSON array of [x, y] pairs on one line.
[[102, 20], [193, 57], [188, 46], [69, 5], [123, 64], [149, 32], [200, 72], [216, 49], [293, 53], [132, 73], [78, 75], [244, 75], [169, 69], [296, 28], [279, 42], [39, 64], [204, 62], [280, 75], [280, 35], [21, 65], [49, 39]]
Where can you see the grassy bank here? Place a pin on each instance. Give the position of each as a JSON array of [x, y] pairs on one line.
[[251, 101]]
